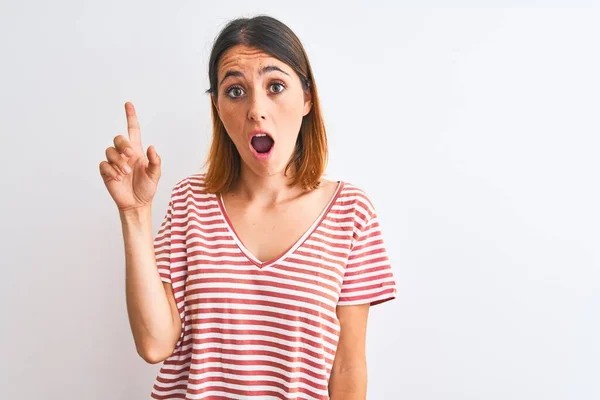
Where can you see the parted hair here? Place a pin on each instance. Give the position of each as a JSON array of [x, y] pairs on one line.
[[276, 39]]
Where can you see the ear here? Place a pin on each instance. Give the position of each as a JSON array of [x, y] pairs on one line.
[[307, 102], [214, 101]]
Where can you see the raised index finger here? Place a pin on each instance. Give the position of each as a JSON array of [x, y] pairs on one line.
[[133, 127]]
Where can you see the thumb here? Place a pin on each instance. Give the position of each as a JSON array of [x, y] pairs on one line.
[[153, 169]]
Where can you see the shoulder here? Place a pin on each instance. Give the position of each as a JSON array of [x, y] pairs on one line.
[[355, 199], [190, 183], [189, 187], [360, 210]]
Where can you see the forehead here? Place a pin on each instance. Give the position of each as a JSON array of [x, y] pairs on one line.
[[242, 57]]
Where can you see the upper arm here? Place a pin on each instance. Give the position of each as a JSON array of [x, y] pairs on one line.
[[171, 263], [351, 352], [174, 313]]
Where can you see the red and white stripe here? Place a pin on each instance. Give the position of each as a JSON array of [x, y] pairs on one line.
[[263, 330]]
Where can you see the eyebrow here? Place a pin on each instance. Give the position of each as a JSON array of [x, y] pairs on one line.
[[264, 70]]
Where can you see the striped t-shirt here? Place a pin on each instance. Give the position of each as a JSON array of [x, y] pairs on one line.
[[263, 330]]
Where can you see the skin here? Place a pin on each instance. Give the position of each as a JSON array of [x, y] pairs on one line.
[[131, 176], [250, 98], [271, 100], [275, 101], [256, 207]]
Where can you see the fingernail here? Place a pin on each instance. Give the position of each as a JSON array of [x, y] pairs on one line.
[[128, 152], [126, 169]]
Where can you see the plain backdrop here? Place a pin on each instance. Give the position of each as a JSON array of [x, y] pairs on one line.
[[475, 131]]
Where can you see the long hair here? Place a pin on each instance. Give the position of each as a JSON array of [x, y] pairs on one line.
[[276, 39]]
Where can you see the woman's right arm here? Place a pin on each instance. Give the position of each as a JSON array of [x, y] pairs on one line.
[[131, 177], [153, 314]]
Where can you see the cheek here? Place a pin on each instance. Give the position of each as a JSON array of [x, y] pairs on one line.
[[292, 111], [230, 116], [293, 116]]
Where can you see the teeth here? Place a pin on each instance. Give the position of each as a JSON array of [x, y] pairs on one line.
[[260, 134]]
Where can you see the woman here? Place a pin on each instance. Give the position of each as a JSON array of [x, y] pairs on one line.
[[259, 281]]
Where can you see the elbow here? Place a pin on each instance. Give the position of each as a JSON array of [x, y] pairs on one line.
[[154, 355], [356, 370], [154, 350]]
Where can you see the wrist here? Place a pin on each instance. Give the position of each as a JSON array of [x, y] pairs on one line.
[[136, 214]]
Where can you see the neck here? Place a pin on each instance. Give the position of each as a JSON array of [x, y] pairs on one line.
[[265, 190]]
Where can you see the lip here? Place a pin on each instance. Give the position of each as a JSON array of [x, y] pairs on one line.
[[257, 131], [257, 155]]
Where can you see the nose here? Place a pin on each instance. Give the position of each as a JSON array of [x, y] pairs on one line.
[[258, 108]]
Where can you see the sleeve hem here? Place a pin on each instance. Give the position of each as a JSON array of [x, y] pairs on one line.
[[373, 301]]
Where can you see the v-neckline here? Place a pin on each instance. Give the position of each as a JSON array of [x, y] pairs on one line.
[[261, 264]]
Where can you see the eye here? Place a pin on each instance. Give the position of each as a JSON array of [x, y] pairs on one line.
[[277, 87], [235, 92]]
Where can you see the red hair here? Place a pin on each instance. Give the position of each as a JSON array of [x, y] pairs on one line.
[[310, 155]]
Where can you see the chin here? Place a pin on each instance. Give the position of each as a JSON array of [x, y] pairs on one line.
[[265, 168], [268, 169]]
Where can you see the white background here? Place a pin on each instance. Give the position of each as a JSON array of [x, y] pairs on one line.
[[475, 131]]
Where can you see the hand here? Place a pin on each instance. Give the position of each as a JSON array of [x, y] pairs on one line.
[[130, 175]]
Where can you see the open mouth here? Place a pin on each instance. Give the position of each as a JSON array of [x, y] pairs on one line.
[[262, 143]]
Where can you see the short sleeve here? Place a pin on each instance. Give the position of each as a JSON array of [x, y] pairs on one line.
[[171, 256], [368, 277], [169, 248], [162, 246]]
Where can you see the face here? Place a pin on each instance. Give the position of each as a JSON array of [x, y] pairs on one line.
[[261, 103]]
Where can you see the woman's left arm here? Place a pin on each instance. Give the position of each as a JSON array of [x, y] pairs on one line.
[[348, 379]]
